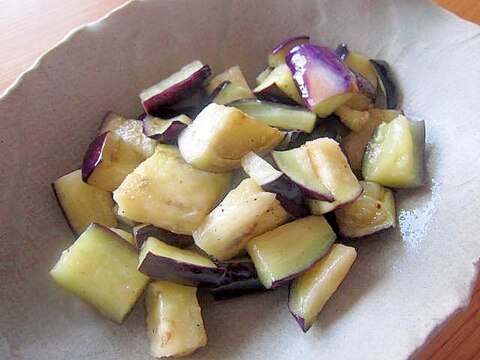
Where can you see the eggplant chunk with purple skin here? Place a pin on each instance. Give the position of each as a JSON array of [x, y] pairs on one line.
[[296, 164], [245, 212], [277, 115], [372, 211], [83, 204], [358, 63], [167, 192], [101, 268], [178, 86], [279, 53], [331, 166], [271, 180], [220, 136], [233, 75], [285, 252], [322, 79], [279, 86], [165, 131], [387, 83], [161, 261], [355, 142], [174, 319], [227, 92], [309, 293], [131, 132], [394, 155]]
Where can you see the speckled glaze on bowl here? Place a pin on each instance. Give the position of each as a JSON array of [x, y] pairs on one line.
[[406, 280]]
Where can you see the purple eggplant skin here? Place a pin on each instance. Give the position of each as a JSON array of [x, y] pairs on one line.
[[180, 91], [274, 94], [142, 232], [300, 320], [164, 268], [342, 51], [93, 155], [237, 288], [364, 86], [289, 195], [168, 136], [387, 79], [237, 270], [219, 88]]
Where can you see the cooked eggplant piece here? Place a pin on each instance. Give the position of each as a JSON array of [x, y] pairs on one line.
[[178, 86], [281, 116], [271, 180], [220, 136], [236, 288], [101, 269], [353, 119], [278, 54], [161, 261], [279, 86], [83, 204], [174, 319], [131, 132], [387, 83], [309, 293], [285, 252], [322, 79], [165, 131], [365, 97], [332, 168], [167, 192], [233, 75], [143, 231], [108, 160], [227, 92], [372, 211], [358, 63], [394, 155], [245, 212], [263, 75], [297, 166], [355, 142], [125, 235]]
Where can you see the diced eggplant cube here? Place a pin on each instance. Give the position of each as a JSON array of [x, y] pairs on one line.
[[372, 211], [279, 87], [220, 136], [143, 231], [83, 204], [284, 253], [394, 155], [309, 293], [245, 212], [167, 192], [161, 261], [174, 320], [279, 52], [233, 75], [101, 268]]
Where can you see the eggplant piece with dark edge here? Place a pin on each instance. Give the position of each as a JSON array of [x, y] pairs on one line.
[[285, 252], [161, 261], [322, 79], [165, 131], [101, 269], [292, 139], [227, 92], [277, 115], [387, 83], [296, 165], [178, 86], [279, 86], [233, 75], [358, 63], [82, 204], [143, 231], [271, 180], [278, 54], [309, 293], [394, 156]]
